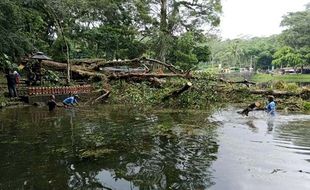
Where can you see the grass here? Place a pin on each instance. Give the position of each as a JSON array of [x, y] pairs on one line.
[[285, 78]]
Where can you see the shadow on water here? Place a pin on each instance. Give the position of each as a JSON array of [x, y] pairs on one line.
[[106, 148]]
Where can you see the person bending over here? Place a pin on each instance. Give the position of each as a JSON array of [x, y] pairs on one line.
[[71, 101]]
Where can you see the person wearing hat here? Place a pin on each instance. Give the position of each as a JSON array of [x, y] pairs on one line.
[[271, 106], [71, 101]]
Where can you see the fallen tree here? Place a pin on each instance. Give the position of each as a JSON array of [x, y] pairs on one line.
[[245, 82], [105, 94], [177, 92], [115, 76], [93, 71], [137, 62], [102, 97], [82, 71]]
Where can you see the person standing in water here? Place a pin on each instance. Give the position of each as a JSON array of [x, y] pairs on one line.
[[52, 103], [271, 106]]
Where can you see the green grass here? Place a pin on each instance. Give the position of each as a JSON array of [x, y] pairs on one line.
[[285, 78]]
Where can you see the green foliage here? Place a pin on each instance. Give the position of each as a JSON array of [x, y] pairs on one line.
[[201, 95], [296, 34], [297, 30], [279, 85], [306, 106], [286, 56], [264, 60], [58, 50], [202, 53], [287, 78], [292, 87], [188, 52], [255, 52], [6, 64], [51, 76], [13, 39]]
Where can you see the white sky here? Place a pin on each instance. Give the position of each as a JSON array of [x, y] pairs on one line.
[[255, 17]]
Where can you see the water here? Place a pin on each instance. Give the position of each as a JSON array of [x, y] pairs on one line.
[[114, 147]]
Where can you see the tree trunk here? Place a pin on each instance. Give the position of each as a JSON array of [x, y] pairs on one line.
[[163, 31], [75, 69], [176, 93]]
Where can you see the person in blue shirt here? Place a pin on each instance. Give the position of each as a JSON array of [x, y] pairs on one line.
[[70, 101], [271, 106]]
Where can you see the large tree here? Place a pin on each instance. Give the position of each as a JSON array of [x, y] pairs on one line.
[[166, 19], [108, 29], [286, 56], [296, 34]]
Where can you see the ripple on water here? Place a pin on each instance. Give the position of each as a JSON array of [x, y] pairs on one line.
[[273, 163]]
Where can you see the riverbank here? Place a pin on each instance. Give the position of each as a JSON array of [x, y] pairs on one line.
[[204, 93]]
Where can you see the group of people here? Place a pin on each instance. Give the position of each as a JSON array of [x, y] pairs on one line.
[[68, 102]]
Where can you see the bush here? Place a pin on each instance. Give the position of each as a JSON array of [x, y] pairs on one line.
[[307, 106], [292, 87], [279, 85]]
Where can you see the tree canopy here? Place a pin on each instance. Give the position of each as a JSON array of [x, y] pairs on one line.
[[114, 29], [180, 32]]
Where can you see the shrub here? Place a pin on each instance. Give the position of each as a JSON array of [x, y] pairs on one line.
[[279, 85], [292, 87], [307, 106]]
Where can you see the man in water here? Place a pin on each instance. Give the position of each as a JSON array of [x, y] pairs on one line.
[[70, 101], [271, 106], [52, 103]]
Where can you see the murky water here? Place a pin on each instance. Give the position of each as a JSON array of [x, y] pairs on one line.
[[122, 148]]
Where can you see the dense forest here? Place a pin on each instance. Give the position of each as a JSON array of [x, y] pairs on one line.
[[183, 33]]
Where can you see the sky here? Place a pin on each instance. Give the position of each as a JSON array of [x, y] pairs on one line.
[[249, 18]]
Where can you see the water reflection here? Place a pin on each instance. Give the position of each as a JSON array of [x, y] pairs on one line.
[[110, 147]]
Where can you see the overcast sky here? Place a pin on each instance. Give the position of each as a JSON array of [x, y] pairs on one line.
[[256, 17]]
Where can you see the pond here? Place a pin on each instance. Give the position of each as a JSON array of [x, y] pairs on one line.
[[117, 147]]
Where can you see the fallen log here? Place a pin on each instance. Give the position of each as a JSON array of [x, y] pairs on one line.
[[245, 82], [136, 62], [87, 61], [251, 107], [176, 93], [82, 71], [156, 82], [170, 67], [102, 97], [116, 76]]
